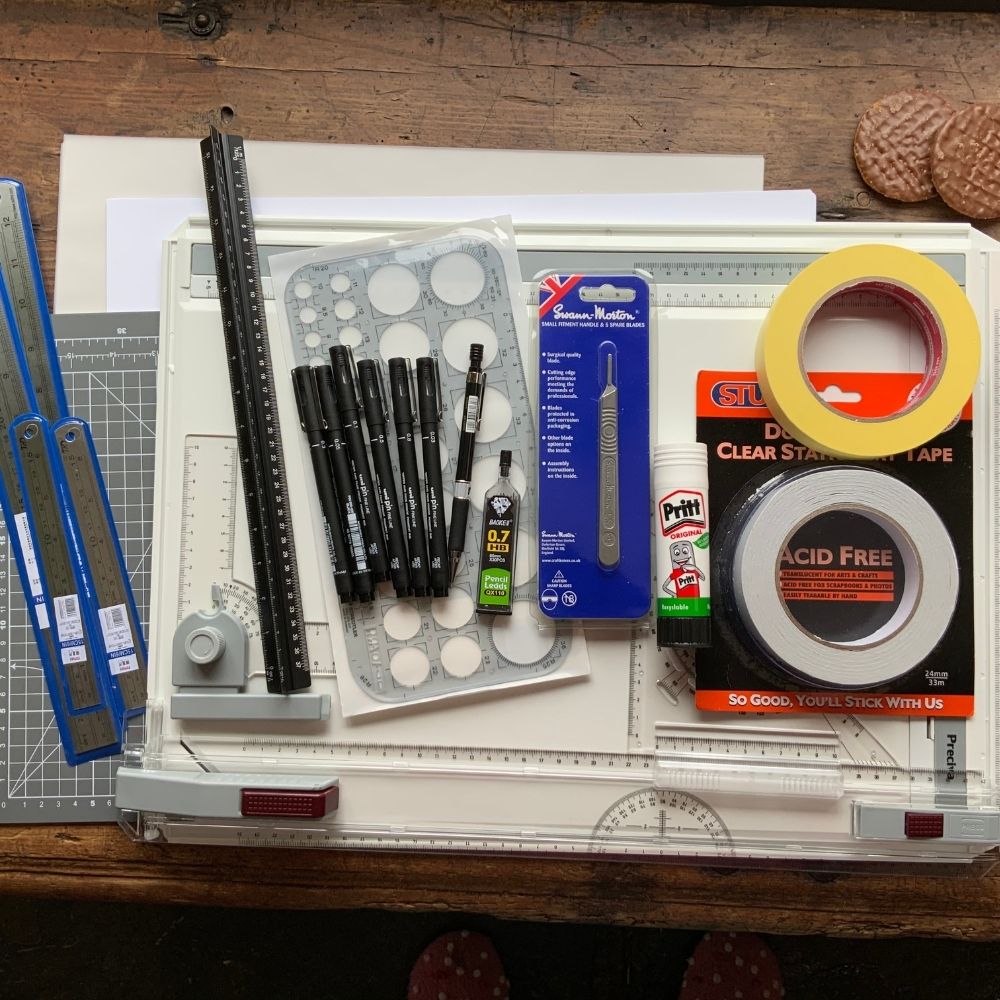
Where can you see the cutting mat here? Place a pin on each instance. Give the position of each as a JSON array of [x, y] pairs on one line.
[[109, 370]]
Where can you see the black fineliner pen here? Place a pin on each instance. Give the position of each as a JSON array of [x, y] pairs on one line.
[[342, 360], [429, 409], [472, 412], [311, 420], [376, 415], [343, 481], [401, 393]]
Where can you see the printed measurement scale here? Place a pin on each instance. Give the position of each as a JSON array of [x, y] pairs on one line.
[[211, 520], [19, 263], [556, 799], [109, 371], [90, 715], [117, 614], [258, 433]]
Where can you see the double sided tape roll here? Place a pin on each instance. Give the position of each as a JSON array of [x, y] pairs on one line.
[[939, 310], [929, 592]]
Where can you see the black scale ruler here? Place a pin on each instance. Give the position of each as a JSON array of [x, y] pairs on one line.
[[258, 434]]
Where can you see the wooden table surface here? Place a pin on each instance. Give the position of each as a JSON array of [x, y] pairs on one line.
[[790, 83]]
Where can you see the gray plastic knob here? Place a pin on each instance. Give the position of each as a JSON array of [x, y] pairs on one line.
[[204, 645]]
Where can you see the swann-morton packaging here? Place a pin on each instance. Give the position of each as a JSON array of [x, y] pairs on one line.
[[594, 465], [837, 586]]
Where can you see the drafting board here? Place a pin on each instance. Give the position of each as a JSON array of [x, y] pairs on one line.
[[557, 770]]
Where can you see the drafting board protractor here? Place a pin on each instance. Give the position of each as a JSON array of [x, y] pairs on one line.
[[427, 290], [648, 819]]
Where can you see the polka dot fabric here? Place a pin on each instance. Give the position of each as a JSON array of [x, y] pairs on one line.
[[732, 967], [461, 965]]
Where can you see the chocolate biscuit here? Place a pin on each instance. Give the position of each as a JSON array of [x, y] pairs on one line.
[[892, 145]]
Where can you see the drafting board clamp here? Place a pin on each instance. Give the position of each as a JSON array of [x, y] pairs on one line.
[[619, 764]]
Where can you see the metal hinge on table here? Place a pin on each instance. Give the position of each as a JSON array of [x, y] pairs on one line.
[[198, 18]]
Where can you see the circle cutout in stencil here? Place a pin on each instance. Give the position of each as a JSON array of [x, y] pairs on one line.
[[403, 340], [496, 415], [457, 278], [485, 472], [402, 621], [461, 656], [345, 309], [394, 289], [312, 339], [455, 610], [350, 336], [461, 335], [307, 315], [521, 638], [340, 283], [303, 289], [409, 666]]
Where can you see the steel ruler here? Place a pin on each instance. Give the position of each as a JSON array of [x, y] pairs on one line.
[[109, 378]]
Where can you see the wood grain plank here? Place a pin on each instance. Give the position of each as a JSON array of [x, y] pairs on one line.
[[636, 77]]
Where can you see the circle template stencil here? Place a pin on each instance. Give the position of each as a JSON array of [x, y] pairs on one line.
[[457, 278], [393, 289]]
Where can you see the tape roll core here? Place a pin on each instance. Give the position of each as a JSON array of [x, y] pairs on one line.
[[938, 308], [930, 590]]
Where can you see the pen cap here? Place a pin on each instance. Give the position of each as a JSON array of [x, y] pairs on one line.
[[505, 460], [401, 390], [342, 360], [428, 390], [326, 393], [370, 384], [305, 399]]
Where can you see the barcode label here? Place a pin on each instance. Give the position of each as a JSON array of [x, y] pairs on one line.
[[118, 641], [471, 413], [69, 628], [69, 624], [356, 542], [116, 628]]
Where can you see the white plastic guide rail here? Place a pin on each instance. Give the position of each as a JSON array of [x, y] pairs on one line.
[[620, 763]]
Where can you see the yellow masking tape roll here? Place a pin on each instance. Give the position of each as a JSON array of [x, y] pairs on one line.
[[940, 311]]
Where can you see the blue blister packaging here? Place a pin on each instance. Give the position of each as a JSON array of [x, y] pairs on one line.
[[594, 537]]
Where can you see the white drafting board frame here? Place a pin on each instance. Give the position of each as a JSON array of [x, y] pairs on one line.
[[569, 769]]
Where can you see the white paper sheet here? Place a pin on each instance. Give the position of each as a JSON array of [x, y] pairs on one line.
[[96, 168], [138, 226]]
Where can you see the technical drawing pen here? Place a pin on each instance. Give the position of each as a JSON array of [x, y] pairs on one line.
[[376, 415], [430, 411], [340, 468], [342, 360], [311, 420], [401, 392], [472, 413]]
